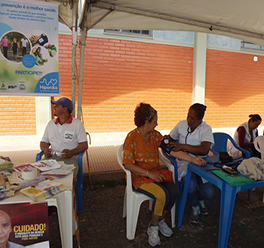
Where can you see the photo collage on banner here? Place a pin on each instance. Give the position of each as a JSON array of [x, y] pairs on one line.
[[29, 48], [24, 225]]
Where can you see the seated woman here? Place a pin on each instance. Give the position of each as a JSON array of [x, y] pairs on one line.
[[141, 157], [245, 136], [195, 137]]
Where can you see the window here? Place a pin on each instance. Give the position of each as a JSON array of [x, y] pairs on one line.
[[248, 45], [145, 33]]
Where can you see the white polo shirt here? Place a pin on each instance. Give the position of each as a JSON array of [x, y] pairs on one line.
[[182, 133], [24, 42], [66, 136]]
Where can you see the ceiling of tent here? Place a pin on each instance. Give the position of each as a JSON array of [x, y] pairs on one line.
[[65, 11], [242, 19]]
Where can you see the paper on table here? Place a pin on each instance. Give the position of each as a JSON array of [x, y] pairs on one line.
[[22, 167], [63, 171], [45, 165]]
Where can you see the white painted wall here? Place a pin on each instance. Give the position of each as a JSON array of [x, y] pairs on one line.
[[31, 142]]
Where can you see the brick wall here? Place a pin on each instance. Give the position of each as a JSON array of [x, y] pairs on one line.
[[234, 85], [17, 115], [119, 74]]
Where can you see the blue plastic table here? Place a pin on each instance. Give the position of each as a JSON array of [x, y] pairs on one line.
[[228, 197]]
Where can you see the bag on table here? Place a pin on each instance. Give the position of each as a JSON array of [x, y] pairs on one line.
[[224, 158]]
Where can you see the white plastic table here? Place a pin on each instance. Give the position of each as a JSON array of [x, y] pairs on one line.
[[64, 203]]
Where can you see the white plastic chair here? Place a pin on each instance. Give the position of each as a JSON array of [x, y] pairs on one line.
[[133, 199], [259, 145]]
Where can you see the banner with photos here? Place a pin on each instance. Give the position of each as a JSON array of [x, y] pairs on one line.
[[29, 48], [25, 224]]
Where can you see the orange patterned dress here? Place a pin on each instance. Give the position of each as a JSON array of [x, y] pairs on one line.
[[141, 153]]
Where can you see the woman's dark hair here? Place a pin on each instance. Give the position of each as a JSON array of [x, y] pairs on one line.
[[143, 112], [199, 110], [254, 118]]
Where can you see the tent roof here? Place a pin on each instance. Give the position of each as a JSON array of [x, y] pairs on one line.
[[66, 11], [240, 19]]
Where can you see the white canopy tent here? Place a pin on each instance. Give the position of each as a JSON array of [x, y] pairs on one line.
[[241, 19]]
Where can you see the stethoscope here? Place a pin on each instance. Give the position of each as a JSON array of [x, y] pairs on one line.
[[189, 131]]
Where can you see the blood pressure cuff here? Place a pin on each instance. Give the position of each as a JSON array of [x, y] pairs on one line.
[[165, 146]]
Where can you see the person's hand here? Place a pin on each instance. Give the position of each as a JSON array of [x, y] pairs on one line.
[[199, 161], [175, 146], [166, 136], [47, 153], [156, 176], [66, 153]]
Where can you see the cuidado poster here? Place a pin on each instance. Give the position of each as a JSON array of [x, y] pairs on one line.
[[29, 48], [24, 225]]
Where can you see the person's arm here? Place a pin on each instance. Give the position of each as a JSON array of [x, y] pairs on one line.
[[201, 150], [66, 153], [184, 156], [143, 172], [45, 148]]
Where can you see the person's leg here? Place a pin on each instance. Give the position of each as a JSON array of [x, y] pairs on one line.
[[255, 153], [250, 150], [159, 194], [5, 51], [206, 190], [161, 205], [193, 198], [193, 190], [173, 194]]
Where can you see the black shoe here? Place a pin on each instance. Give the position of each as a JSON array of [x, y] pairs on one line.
[[204, 211], [194, 219], [195, 215]]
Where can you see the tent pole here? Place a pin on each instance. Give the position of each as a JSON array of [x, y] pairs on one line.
[[199, 67], [83, 43], [74, 45]]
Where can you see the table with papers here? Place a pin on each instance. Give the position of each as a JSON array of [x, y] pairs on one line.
[[64, 203]]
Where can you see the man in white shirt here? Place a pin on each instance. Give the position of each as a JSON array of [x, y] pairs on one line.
[[64, 137], [24, 42]]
